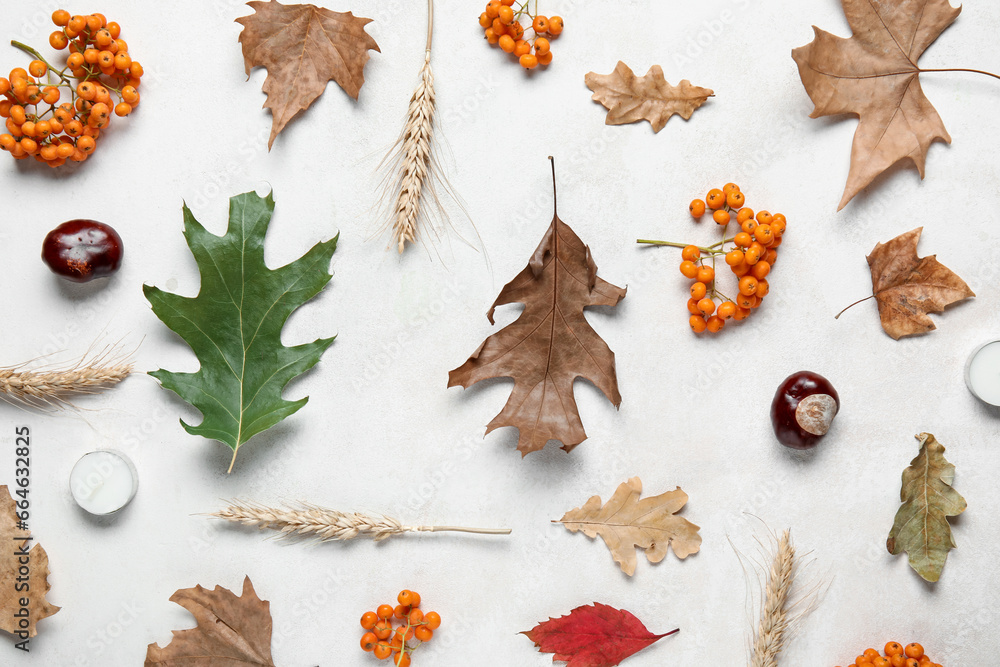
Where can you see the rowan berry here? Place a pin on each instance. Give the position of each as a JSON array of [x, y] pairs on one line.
[[721, 217], [706, 274], [697, 208], [715, 199], [556, 25]]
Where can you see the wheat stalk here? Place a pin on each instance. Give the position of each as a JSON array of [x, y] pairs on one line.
[[414, 164], [326, 525], [53, 386], [770, 637]]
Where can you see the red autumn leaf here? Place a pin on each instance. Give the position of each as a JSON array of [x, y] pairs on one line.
[[593, 636]]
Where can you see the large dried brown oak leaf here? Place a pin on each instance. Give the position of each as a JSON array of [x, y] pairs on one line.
[[232, 631], [550, 344], [626, 522], [15, 586], [874, 75], [631, 99], [303, 47], [907, 287]]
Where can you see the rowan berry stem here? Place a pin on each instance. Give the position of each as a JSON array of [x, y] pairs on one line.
[[837, 316], [961, 69], [709, 250], [37, 56]]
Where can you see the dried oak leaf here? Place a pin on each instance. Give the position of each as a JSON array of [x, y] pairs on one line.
[[593, 636], [921, 527], [874, 75], [15, 548], [231, 630], [550, 344], [907, 287], [626, 522], [302, 47], [631, 99]]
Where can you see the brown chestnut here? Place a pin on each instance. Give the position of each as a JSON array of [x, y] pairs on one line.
[[803, 409], [81, 250]]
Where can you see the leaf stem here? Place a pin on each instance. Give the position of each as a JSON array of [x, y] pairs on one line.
[[458, 529], [961, 69], [555, 209], [837, 316], [233, 461]]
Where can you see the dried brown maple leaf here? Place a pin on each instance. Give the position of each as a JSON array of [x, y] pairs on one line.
[[874, 75], [921, 525], [550, 344], [907, 287], [625, 522], [14, 588], [303, 47], [231, 630], [631, 99]]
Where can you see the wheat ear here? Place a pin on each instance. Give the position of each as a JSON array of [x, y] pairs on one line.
[[414, 164], [770, 638], [54, 386], [326, 525]]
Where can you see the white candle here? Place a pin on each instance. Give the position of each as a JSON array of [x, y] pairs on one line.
[[103, 482], [982, 373]]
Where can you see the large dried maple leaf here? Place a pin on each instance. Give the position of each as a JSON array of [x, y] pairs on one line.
[[874, 75], [921, 525], [550, 344], [13, 587], [626, 522], [907, 287], [231, 631], [593, 636], [303, 47], [631, 99]]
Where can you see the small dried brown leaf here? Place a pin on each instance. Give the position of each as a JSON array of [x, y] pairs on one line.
[[907, 287], [303, 47], [631, 99], [15, 541], [625, 522], [232, 631], [874, 75], [921, 527]]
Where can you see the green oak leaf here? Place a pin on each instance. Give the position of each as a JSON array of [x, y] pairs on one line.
[[921, 526], [234, 324]]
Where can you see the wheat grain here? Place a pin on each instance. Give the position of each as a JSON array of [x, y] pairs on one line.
[[327, 525], [52, 387], [415, 162], [770, 637]]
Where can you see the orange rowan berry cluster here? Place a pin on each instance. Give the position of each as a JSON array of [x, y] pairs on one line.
[[753, 252], [98, 69], [896, 655], [502, 24], [385, 640]]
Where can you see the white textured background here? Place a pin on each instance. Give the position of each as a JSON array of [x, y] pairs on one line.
[[382, 433]]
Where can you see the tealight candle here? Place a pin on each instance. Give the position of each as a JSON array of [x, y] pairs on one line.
[[982, 372], [103, 482]]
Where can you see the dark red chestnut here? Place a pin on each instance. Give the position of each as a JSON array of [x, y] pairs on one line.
[[803, 409], [81, 250]]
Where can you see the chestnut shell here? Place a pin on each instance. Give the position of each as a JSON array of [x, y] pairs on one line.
[[786, 399], [81, 250]]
